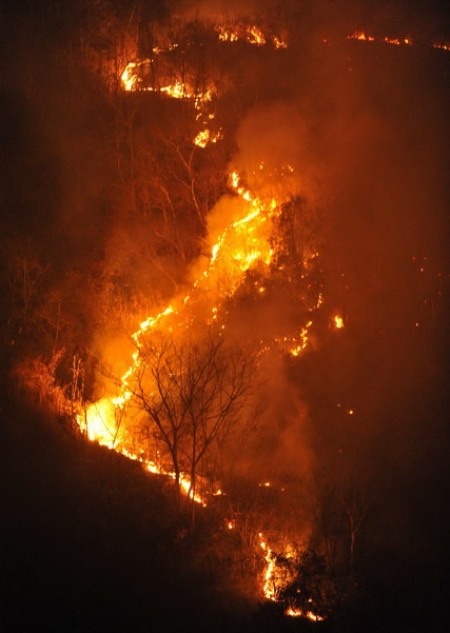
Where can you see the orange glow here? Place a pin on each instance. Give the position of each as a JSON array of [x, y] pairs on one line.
[[251, 34], [255, 36], [269, 578], [442, 47], [130, 79], [244, 244], [394, 41], [359, 35], [277, 577], [278, 42], [338, 322], [205, 137], [303, 340], [299, 613], [364, 37]]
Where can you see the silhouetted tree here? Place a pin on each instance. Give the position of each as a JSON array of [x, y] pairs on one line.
[[193, 392]]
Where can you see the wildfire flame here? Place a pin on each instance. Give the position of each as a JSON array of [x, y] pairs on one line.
[[364, 37], [275, 579], [300, 613], [269, 586], [249, 33], [245, 243], [205, 137], [131, 77], [131, 81]]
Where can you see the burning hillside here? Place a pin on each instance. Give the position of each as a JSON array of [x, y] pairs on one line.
[[239, 282], [258, 254]]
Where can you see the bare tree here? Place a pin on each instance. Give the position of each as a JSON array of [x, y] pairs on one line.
[[355, 504], [25, 279], [193, 392]]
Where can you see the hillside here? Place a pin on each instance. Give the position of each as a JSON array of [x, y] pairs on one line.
[[89, 542]]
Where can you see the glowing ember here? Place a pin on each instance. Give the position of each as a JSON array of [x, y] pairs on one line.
[[304, 340], [442, 47], [205, 137], [338, 322], [256, 36], [129, 77], [132, 81], [364, 37], [361, 36], [251, 34], [277, 577], [132, 76], [299, 613], [269, 586]]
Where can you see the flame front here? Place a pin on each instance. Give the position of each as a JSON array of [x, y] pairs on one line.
[[243, 245], [277, 578], [364, 37]]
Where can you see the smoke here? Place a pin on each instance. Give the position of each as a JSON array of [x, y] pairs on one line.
[[277, 150], [369, 159], [368, 149], [219, 10]]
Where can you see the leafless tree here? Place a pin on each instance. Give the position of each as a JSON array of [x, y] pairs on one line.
[[193, 392], [355, 504], [26, 276]]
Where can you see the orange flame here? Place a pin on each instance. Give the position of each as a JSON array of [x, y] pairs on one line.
[[243, 244], [364, 37]]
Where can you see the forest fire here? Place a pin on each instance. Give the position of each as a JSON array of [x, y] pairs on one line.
[[300, 613], [205, 137], [246, 243], [279, 574], [249, 33], [364, 37], [137, 76], [270, 580], [241, 246], [226, 254]]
